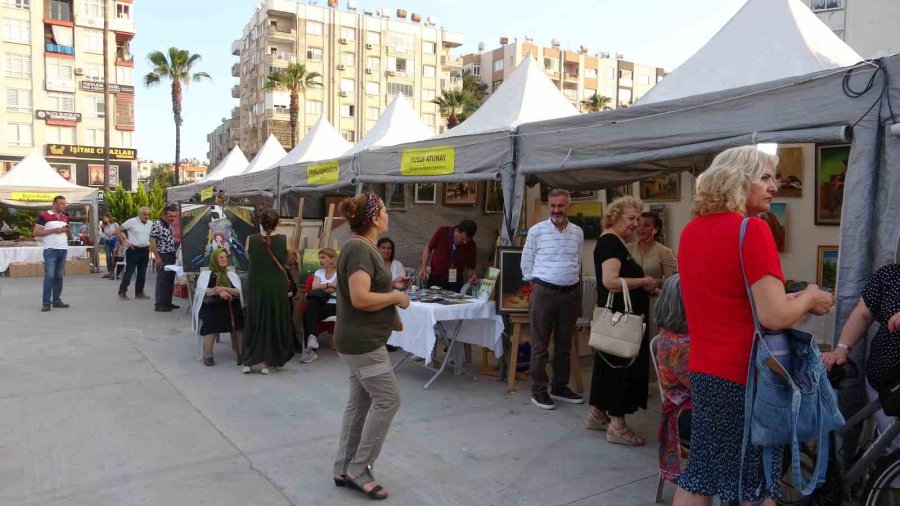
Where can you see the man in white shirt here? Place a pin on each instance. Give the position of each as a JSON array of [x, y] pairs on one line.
[[551, 260], [137, 256], [52, 227]]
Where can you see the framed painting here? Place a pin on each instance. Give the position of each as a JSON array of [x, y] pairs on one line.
[[426, 193], [207, 227], [493, 197], [515, 293], [826, 267], [661, 188], [573, 194], [395, 196], [619, 191], [789, 172], [460, 194], [831, 171], [588, 216], [66, 170], [95, 175], [776, 218]]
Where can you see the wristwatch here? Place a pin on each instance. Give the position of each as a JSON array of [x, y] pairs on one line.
[[844, 346]]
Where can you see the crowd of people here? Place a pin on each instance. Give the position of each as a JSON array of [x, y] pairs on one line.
[[702, 355]]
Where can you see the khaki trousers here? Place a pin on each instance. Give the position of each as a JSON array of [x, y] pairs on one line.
[[374, 399]]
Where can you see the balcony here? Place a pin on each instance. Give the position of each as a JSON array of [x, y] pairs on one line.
[[236, 47], [236, 70], [451, 82], [451, 61], [236, 113], [123, 24], [626, 83], [56, 48], [278, 114], [236, 91], [402, 74], [570, 76], [451, 39], [283, 56], [280, 33]]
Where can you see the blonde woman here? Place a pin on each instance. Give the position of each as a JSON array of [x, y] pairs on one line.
[[740, 182], [617, 388], [321, 302]]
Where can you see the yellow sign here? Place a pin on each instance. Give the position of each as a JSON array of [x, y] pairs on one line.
[[323, 173], [33, 196], [206, 193], [437, 161]]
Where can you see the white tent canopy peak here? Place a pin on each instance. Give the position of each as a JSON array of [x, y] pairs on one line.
[[322, 142], [270, 153], [233, 164], [399, 124]]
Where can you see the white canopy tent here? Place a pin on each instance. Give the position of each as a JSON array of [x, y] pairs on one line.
[[33, 180], [234, 163], [268, 155], [765, 41]]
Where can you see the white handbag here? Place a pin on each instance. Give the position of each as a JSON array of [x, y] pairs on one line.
[[615, 333]]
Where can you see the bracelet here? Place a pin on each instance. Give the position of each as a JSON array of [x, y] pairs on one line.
[[844, 346]]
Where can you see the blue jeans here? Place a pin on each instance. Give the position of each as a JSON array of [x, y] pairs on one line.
[[54, 269]]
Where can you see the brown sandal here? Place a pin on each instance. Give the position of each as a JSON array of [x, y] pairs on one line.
[[624, 436], [593, 422]]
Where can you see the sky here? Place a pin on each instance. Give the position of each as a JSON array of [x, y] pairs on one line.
[[652, 32]]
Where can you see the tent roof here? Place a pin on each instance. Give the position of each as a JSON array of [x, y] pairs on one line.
[[233, 164], [526, 95], [268, 155], [34, 174], [322, 142], [765, 41], [398, 124]]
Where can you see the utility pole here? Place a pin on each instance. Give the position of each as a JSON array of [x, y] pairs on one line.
[[106, 108]]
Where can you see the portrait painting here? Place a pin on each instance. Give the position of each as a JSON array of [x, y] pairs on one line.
[[789, 172], [66, 170], [95, 175], [831, 172]]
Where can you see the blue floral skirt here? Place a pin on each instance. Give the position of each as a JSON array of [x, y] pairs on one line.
[[717, 426]]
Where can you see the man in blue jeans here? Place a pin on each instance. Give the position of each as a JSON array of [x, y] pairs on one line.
[[52, 227]]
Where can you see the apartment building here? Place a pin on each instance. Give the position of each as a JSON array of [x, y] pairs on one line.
[[578, 73], [365, 58], [869, 26], [52, 76], [221, 141]]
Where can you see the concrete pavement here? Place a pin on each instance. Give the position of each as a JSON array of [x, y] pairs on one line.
[[105, 404]]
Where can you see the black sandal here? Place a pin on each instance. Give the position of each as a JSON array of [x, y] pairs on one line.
[[362, 480]]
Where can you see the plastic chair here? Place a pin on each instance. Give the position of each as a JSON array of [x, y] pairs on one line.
[[326, 325], [588, 303]]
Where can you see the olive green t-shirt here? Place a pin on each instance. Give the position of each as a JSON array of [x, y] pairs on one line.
[[357, 332]]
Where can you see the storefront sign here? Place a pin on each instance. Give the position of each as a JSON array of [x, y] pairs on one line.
[[92, 152], [323, 173], [113, 87], [437, 161], [206, 194], [58, 115], [33, 196]]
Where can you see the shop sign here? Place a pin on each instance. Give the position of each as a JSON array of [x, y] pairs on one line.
[[33, 196], [58, 115], [113, 87], [92, 152], [436, 161], [323, 173]]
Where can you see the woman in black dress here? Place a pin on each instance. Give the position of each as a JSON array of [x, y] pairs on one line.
[[617, 388], [219, 298]]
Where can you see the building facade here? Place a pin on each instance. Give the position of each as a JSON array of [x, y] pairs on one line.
[[52, 77], [578, 74], [365, 59], [868, 26], [221, 141]]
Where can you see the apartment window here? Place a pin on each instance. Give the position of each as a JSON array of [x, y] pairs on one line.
[[373, 88], [18, 100], [123, 11], [373, 113], [92, 8], [61, 135], [19, 134], [498, 65], [591, 73], [400, 42], [313, 107], [349, 135], [124, 113], [549, 64], [397, 64], [823, 5], [624, 74], [428, 95], [428, 47], [60, 69], [373, 62], [348, 85], [17, 4], [429, 71], [314, 53], [61, 10], [348, 59], [406, 89], [373, 38], [125, 75], [348, 111], [610, 73], [315, 28], [348, 33], [16, 30], [472, 68], [62, 102], [93, 41], [127, 139], [93, 136], [644, 79], [94, 107], [17, 65], [430, 119]]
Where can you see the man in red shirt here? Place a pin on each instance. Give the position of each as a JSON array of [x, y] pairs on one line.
[[451, 254]]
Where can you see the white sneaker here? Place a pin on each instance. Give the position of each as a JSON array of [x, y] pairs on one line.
[[312, 343], [311, 356]]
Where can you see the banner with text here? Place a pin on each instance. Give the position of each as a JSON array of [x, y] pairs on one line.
[[33, 196], [323, 173], [206, 194], [436, 161]]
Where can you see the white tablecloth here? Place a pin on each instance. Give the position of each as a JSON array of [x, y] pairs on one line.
[[33, 255], [481, 325]]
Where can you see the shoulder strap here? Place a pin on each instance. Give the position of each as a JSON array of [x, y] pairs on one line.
[[756, 325], [265, 241]]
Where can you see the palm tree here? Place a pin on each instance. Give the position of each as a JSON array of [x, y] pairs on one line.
[[477, 89], [295, 79], [455, 103], [177, 67], [596, 103]]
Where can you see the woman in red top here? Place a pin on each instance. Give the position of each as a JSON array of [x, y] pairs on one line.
[[740, 182]]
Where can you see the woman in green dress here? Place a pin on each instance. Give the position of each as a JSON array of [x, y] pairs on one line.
[[268, 332]]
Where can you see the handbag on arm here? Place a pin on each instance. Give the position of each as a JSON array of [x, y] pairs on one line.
[[615, 333], [292, 285]]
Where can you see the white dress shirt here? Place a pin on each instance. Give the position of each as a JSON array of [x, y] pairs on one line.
[[553, 255], [138, 232]]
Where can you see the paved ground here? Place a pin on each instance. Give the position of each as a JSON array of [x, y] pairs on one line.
[[104, 404]]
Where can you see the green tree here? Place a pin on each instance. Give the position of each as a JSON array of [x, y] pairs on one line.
[[121, 204], [295, 79], [455, 103], [596, 103], [176, 66], [161, 176], [476, 88]]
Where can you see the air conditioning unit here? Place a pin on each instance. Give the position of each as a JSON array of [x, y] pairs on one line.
[[368, 46], [343, 40], [368, 71], [79, 71], [342, 66], [343, 93], [392, 72]]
